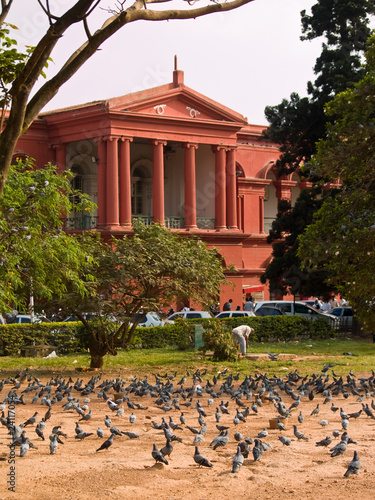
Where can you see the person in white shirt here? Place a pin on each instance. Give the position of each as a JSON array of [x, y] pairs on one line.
[[241, 336]]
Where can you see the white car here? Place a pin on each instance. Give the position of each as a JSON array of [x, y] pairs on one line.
[[150, 319], [234, 314], [299, 309], [187, 315]]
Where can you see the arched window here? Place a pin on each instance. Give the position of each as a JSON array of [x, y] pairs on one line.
[[141, 189]]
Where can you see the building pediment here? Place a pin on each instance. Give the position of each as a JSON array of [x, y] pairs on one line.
[[176, 102]]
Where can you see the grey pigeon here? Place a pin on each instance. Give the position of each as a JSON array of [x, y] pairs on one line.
[[345, 424], [238, 436], [299, 435], [131, 435], [220, 440], [53, 444], [340, 448], [285, 440], [324, 442], [315, 411], [238, 460], [167, 449], [158, 456], [107, 443], [200, 459], [99, 432], [262, 434], [323, 423], [257, 450], [83, 435], [354, 466]]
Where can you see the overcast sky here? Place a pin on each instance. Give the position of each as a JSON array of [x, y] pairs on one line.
[[245, 59]]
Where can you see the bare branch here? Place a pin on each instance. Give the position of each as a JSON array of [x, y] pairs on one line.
[[5, 7], [112, 25]]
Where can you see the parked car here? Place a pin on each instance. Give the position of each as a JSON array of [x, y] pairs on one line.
[[151, 319], [234, 314], [345, 316], [270, 311], [299, 309], [26, 318], [187, 315]]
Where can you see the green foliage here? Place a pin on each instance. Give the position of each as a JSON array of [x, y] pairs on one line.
[[342, 237], [297, 124], [284, 272], [35, 254], [144, 271], [218, 338], [66, 337]]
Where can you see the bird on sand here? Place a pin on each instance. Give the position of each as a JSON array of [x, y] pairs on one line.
[[158, 456], [53, 443], [299, 435], [107, 443], [354, 466], [167, 449], [324, 442], [285, 440], [238, 460], [200, 459]]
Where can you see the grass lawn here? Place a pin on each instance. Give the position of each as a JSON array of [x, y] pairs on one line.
[[311, 357]]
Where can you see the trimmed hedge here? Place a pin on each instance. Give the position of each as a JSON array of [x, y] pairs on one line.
[[72, 337], [67, 337]]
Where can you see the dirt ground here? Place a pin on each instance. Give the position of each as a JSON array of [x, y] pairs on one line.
[[127, 469]]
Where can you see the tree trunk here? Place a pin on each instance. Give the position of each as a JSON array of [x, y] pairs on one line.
[[98, 348], [97, 361]]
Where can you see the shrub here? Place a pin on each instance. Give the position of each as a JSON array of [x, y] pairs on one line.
[[218, 338]]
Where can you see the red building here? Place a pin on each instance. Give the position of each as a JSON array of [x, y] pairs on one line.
[[172, 155]]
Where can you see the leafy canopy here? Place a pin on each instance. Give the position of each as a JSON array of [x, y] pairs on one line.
[[34, 251], [342, 237]]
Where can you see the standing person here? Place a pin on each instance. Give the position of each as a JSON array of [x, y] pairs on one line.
[[228, 305], [317, 304], [241, 336], [326, 306], [249, 305], [333, 302]]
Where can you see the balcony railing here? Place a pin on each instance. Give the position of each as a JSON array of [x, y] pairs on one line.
[[80, 223], [205, 223], [86, 222]]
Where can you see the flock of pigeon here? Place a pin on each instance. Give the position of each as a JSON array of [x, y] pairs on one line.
[[195, 397]]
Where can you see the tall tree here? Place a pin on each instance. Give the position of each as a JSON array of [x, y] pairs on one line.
[[284, 273], [36, 255], [140, 273], [23, 108], [297, 124], [342, 237]]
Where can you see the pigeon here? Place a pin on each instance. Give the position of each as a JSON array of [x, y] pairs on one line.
[[245, 448], [340, 448], [300, 418], [53, 444], [285, 440], [345, 424], [167, 449], [99, 432], [107, 443], [25, 445], [86, 417], [31, 420], [323, 423], [83, 435], [107, 422], [200, 459], [299, 434], [324, 442], [315, 411], [132, 418], [257, 450], [238, 460], [158, 456], [262, 434], [280, 425], [238, 436], [354, 466], [273, 357], [131, 435], [220, 441]]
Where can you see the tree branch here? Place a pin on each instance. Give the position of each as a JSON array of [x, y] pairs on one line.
[[135, 13], [5, 7]]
